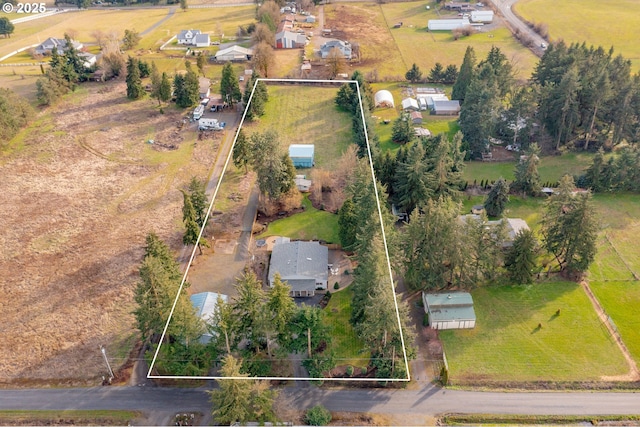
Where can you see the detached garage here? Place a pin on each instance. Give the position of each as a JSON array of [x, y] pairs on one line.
[[450, 311], [302, 155]]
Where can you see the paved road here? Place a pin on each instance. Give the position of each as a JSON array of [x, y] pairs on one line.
[[429, 400], [504, 6]]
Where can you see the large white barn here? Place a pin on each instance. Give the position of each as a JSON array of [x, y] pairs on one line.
[[447, 24]]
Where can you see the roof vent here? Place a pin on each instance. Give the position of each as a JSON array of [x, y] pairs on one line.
[[308, 259]]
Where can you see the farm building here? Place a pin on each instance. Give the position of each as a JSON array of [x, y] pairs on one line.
[[310, 19], [384, 98], [89, 59], [186, 36], [447, 24], [446, 108], [416, 117], [302, 155], [428, 99], [204, 85], [205, 304], [290, 40], [484, 16], [410, 104], [202, 40], [450, 311], [46, 47], [302, 183], [342, 46], [303, 265], [234, 53]]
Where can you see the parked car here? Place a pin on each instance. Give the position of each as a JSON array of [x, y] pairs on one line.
[[205, 101]]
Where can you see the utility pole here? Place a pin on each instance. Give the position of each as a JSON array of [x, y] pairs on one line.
[[104, 355]]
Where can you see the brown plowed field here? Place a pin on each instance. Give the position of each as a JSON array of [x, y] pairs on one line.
[[80, 190]]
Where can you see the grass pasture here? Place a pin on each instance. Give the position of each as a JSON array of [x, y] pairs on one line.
[[306, 115], [612, 23], [508, 345], [621, 299], [348, 348], [312, 224]]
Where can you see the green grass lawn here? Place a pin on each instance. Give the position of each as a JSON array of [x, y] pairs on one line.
[[307, 115], [611, 23], [312, 224], [621, 299], [507, 344], [349, 349], [551, 168]]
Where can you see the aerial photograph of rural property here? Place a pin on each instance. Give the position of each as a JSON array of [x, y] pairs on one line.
[[320, 212]]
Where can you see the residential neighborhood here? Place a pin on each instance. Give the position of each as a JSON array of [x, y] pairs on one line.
[[319, 213]]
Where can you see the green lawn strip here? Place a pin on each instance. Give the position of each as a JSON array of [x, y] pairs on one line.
[[621, 301], [307, 115], [508, 345], [68, 417], [312, 224], [608, 265], [348, 348], [501, 419], [613, 23], [551, 168]]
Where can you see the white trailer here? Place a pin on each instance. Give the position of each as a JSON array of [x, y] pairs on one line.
[[208, 124], [447, 24], [198, 112], [482, 16]]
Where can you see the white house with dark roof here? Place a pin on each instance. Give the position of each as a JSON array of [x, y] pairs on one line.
[[206, 305], [46, 47], [186, 37], [303, 265]]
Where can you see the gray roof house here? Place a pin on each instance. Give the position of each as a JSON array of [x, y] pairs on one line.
[[446, 108], [342, 46], [187, 36], [201, 40], [46, 47], [205, 305], [512, 226], [303, 265], [449, 311]]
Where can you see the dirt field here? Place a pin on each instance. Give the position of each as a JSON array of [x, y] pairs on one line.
[[81, 189]]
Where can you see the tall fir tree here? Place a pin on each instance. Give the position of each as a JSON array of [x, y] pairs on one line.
[[497, 199], [465, 75], [134, 82]]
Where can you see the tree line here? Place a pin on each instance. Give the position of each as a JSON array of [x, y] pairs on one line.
[[577, 97]]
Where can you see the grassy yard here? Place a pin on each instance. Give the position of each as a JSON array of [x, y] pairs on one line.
[[508, 345], [621, 299], [612, 23], [312, 224], [551, 168], [349, 349], [307, 115]]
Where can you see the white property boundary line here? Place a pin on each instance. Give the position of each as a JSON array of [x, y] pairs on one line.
[[193, 253]]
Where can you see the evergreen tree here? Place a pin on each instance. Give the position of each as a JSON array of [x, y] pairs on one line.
[[347, 223], [465, 75], [450, 74], [502, 70], [280, 308], [248, 306], [191, 94], [346, 99], [229, 86], [569, 228], [256, 107], [134, 83], [520, 259], [414, 74], [198, 196], [497, 198], [201, 61], [6, 27], [242, 151], [231, 400], [179, 90], [436, 74], [445, 176], [164, 90], [527, 178], [596, 174], [223, 326], [189, 218], [412, 186], [308, 330], [402, 130]]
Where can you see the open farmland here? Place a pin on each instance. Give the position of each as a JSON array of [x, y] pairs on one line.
[[508, 344], [81, 189], [611, 23], [391, 51]]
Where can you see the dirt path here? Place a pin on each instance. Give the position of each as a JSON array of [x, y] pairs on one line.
[[634, 373]]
